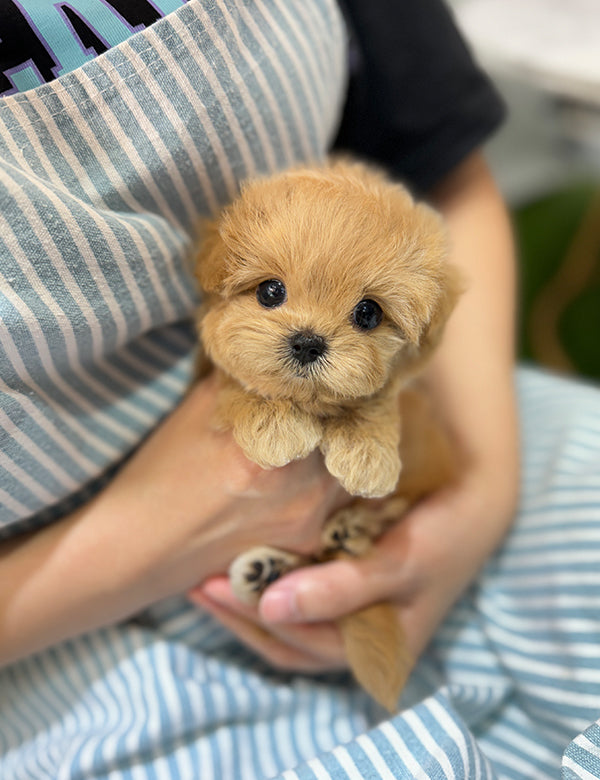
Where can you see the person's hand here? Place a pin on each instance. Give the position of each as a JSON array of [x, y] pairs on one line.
[[184, 505], [422, 565], [192, 489]]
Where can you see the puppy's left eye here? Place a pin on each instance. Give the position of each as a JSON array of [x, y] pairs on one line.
[[271, 293], [367, 314]]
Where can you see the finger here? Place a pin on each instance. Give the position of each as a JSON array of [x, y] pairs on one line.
[[320, 640], [328, 591], [219, 589], [256, 638], [303, 649]]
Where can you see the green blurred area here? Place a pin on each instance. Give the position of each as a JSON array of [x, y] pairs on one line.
[[558, 239]]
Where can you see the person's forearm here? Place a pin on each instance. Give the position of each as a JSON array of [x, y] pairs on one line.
[[471, 376], [88, 570], [58, 582], [178, 512], [120, 551]]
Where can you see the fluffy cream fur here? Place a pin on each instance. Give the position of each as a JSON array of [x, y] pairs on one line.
[[333, 235]]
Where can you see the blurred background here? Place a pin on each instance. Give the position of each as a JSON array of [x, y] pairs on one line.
[[544, 55]]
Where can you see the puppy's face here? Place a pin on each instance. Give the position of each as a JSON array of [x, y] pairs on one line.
[[322, 283]]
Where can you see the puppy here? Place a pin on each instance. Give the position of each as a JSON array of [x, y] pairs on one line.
[[325, 291]]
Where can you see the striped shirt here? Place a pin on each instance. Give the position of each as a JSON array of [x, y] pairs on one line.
[[103, 176]]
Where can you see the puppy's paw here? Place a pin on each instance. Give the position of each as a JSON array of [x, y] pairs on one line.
[[363, 468], [252, 571], [277, 434], [348, 530], [353, 528]]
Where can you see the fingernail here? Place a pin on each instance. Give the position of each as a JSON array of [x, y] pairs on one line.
[[216, 589], [279, 605]]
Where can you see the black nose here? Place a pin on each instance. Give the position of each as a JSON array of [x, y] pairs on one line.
[[307, 347]]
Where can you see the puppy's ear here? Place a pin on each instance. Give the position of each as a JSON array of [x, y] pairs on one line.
[[211, 268], [452, 286], [425, 287]]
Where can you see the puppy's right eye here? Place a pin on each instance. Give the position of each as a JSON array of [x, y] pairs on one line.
[[367, 314], [271, 293]]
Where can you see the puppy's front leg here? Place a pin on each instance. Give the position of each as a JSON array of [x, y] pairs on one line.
[[361, 448], [270, 432]]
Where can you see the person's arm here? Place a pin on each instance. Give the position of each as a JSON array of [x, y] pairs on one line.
[[180, 510], [427, 560]]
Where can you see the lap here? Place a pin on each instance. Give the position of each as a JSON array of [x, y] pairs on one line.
[[511, 681]]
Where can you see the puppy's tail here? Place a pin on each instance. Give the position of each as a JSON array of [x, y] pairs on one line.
[[377, 652]]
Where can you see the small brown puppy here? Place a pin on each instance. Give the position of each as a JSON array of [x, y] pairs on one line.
[[325, 291]]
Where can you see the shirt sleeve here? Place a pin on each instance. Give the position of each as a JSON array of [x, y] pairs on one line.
[[417, 102]]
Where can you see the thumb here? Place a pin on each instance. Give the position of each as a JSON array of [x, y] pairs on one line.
[[326, 591]]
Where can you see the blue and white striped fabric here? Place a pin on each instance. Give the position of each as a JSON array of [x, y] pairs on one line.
[[510, 687], [102, 176]]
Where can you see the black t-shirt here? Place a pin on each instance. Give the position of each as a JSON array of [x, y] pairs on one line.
[[417, 102]]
